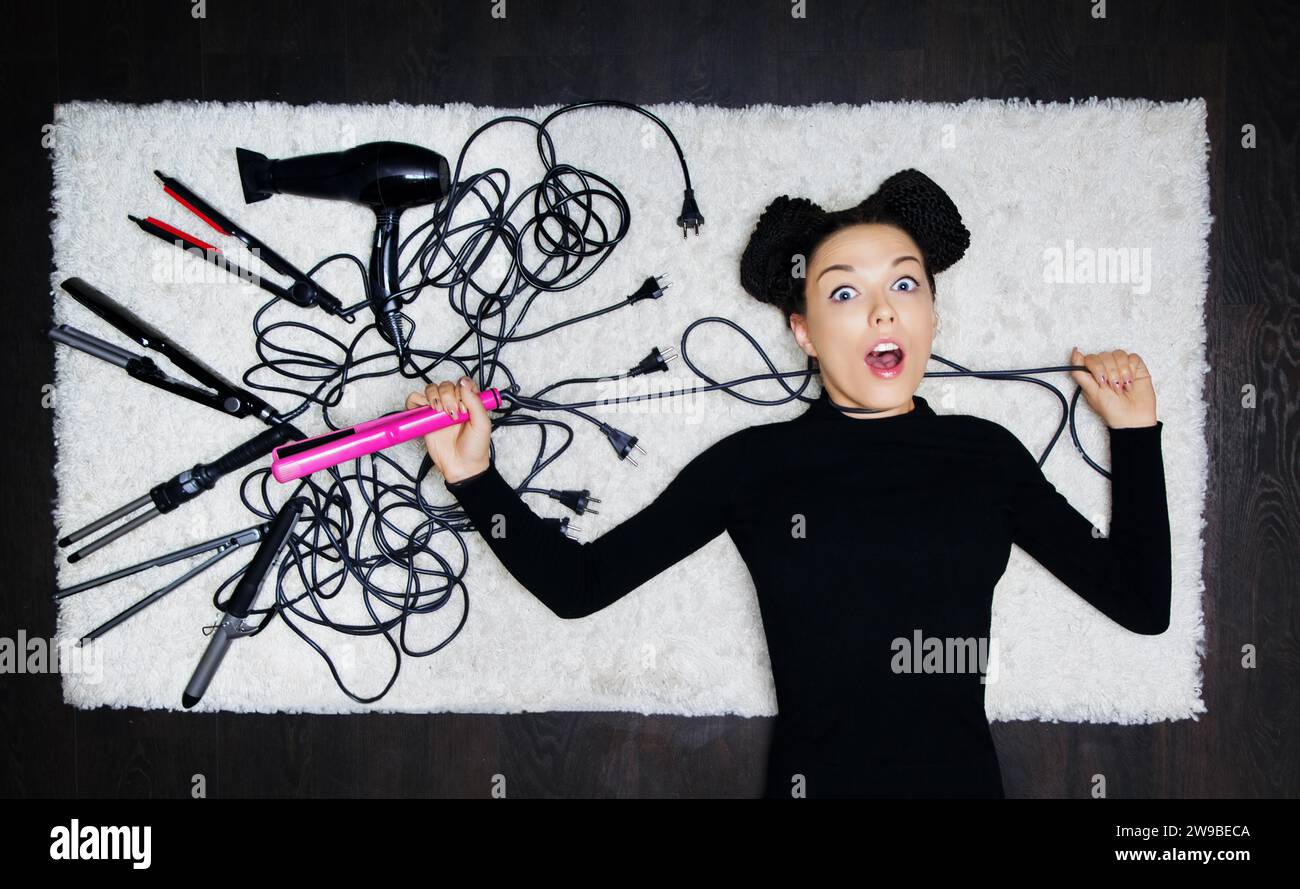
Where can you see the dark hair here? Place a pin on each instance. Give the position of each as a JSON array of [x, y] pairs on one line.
[[796, 227]]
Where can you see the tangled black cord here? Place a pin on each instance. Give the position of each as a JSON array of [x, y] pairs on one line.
[[375, 500]]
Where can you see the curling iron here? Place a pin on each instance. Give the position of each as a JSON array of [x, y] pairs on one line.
[[179, 489], [233, 624], [292, 461]]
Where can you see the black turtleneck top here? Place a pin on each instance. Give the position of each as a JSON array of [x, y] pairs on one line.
[[874, 545]]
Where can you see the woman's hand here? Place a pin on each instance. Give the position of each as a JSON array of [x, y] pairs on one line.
[[1118, 387], [461, 449]]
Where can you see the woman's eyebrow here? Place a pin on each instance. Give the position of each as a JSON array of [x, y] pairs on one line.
[[848, 268]]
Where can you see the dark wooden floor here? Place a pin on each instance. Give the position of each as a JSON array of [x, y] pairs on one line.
[[1239, 55]]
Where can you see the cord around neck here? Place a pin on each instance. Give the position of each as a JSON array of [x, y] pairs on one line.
[[822, 409]]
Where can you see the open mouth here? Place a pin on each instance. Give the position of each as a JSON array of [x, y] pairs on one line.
[[886, 361]]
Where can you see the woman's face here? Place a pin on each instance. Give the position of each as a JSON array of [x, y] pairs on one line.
[[865, 284]]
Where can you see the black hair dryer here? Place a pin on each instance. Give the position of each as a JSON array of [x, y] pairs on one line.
[[387, 177]]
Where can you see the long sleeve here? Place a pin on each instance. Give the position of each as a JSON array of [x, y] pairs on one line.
[[1127, 574], [575, 579]]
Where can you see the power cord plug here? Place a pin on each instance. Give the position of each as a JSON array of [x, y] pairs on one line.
[[655, 362], [691, 217], [562, 524], [622, 442], [650, 289], [578, 501]]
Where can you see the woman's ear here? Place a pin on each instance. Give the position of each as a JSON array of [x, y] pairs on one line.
[[799, 327]]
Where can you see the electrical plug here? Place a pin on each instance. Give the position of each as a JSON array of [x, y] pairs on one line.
[[578, 501], [650, 289], [622, 442], [655, 362], [562, 524], [691, 217]]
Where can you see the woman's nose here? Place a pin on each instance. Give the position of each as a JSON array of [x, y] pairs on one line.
[[881, 310]]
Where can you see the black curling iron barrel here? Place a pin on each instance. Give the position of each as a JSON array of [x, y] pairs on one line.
[[387, 177]]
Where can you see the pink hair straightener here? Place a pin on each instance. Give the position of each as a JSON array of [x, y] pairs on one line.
[[310, 455]]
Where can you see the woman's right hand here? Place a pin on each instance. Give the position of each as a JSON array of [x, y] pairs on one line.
[[460, 449]]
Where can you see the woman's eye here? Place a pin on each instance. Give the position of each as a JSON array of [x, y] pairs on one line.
[[908, 281]]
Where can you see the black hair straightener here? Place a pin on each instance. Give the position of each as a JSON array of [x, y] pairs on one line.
[[220, 395], [302, 291], [220, 547]]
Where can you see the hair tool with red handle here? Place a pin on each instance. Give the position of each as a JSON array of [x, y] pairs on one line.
[[302, 291]]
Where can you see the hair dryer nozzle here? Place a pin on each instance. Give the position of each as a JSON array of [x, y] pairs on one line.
[[385, 176], [254, 175]]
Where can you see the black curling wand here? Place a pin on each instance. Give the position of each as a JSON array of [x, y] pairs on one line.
[[233, 623], [177, 490]]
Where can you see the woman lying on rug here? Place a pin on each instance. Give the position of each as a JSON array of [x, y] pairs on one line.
[[874, 529]]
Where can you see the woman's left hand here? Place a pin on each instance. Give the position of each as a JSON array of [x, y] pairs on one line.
[[1118, 387]]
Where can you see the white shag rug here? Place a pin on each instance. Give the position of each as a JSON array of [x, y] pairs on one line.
[[1035, 183]]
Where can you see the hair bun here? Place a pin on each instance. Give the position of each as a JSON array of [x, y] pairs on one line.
[[927, 213], [793, 227], [786, 227]]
